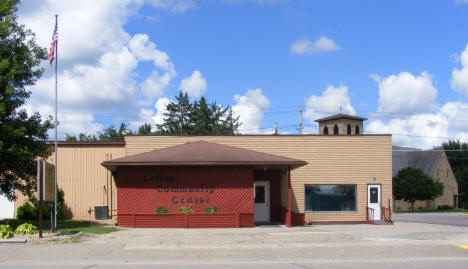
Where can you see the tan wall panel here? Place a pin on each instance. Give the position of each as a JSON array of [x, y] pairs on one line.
[[331, 160], [83, 179]]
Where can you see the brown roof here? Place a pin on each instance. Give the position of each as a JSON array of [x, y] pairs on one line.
[[339, 116], [202, 153]]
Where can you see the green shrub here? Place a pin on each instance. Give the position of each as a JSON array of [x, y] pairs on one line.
[[185, 210], [26, 212], [161, 210], [444, 207], [211, 209], [26, 228], [30, 209], [6, 231]]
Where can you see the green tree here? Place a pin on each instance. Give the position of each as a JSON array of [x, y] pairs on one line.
[[145, 129], [457, 154], [22, 137], [411, 184], [197, 118], [112, 134], [81, 137]]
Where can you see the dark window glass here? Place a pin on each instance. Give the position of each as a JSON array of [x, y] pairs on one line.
[[325, 130], [330, 198], [259, 194], [374, 195], [357, 130], [348, 131], [335, 130]]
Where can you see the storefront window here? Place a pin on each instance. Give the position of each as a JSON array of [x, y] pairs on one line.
[[330, 197]]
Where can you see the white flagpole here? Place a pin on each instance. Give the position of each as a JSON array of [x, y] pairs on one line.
[[56, 123]]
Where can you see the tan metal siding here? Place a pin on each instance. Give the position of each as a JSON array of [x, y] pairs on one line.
[[331, 160], [83, 179]]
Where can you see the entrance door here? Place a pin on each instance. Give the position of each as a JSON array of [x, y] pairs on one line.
[[373, 199], [262, 201]]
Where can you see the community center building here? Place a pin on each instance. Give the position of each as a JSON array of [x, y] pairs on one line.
[[230, 181]]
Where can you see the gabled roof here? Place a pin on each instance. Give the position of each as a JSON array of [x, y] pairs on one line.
[[425, 160], [339, 116], [202, 153]]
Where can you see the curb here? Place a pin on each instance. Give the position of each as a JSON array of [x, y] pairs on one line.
[[12, 240], [76, 235]]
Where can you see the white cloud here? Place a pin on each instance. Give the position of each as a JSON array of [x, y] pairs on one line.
[[321, 45], [146, 50], [194, 86], [405, 93], [145, 116], [84, 33], [426, 130], [417, 121], [330, 102], [160, 106], [97, 63], [155, 84], [459, 80], [250, 108], [176, 6], [461, 1]]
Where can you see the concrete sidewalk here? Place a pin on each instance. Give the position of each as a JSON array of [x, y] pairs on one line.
[[266, 245]]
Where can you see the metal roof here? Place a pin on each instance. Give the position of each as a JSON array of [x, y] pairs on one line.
[[203, 153], [425, 160]]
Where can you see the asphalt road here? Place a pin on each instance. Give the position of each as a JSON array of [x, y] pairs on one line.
[[455, 219]]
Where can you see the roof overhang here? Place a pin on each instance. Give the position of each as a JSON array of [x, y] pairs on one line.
[[202, 153]]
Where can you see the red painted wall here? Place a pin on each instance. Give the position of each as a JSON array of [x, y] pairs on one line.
[[274, 176], [141, 189]]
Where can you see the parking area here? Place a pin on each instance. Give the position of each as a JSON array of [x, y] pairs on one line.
[[455, 219], [320, 246]]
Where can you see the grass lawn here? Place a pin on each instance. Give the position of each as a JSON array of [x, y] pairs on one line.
[[432, 211], [65, 226]]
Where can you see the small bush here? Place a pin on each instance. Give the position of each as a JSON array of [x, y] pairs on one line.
[[26, 228], [161, 210], [211, 209], [444, 207], [30, 209], [185, 210], [6, 231]]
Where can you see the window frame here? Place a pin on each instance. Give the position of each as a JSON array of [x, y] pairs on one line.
[[348, 211]]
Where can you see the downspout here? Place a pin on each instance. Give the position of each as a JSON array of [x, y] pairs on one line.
[[112, 194], [289, 215], [107, 185]]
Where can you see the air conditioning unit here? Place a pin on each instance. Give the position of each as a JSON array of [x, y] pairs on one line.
[[101, 212]]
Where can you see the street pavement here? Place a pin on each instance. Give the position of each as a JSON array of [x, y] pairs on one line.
[[403, 245], [456, 219]]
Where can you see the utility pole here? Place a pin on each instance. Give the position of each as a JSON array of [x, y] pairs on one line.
[[300, 121], [276, 128]]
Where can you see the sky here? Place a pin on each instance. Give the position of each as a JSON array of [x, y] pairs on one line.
[[401, 64]]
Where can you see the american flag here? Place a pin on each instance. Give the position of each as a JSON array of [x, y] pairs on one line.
[[53, 43]]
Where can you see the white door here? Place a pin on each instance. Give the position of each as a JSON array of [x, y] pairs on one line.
[[262, 201], [373, 199]]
